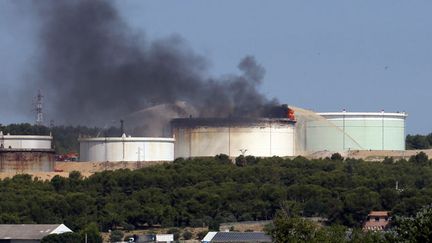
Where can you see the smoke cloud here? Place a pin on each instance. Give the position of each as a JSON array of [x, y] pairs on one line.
[[93, 68]]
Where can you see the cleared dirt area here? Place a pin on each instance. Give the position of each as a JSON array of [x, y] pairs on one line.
[[255, 226], [372, 155], [86, 168]]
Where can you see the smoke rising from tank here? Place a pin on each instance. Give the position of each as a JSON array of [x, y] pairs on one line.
[[94, 68]]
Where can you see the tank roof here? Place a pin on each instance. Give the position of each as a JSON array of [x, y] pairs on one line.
[[126, 139], [364, 114], [231, 121], [36, 137]]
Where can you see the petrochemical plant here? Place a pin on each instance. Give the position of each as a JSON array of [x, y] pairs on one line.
[[304, 133]]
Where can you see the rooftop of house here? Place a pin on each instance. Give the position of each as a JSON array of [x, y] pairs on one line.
[[30, 231], [377, 221], [237, 237], [379, 214]]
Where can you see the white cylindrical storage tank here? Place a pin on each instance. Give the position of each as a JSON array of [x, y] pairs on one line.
[[26, 153], [262, 137], [356, 131], [133, 149], [25, 141]]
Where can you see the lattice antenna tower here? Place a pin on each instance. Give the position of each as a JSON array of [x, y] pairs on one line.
[[38, 108]]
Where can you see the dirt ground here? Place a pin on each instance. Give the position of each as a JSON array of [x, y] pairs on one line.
[[372, 155], [86, 168], [256, 226]]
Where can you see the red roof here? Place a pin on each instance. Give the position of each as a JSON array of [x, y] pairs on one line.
[[378, 214]]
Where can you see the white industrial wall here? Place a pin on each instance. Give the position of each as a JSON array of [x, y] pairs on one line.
[[261, 141], [127, 149], [25, 142], [357, 131]]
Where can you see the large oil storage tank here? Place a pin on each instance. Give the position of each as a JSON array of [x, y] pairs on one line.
[[356, 131], [261, 137], [133, 149], [26, 153]]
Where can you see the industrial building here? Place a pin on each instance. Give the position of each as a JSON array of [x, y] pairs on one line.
[[24, 153], [341, 131], [262, 137], [126, 148]]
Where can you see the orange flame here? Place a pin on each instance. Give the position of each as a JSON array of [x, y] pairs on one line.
[[291, 115]]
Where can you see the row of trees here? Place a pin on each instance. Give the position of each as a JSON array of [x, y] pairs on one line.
[[419, 141], [65, 137], [208, 191]]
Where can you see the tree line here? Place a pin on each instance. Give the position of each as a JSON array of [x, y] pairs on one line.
[[65, 137], [419, 141]]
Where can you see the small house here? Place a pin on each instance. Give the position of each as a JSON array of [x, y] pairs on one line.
[[377, 221]]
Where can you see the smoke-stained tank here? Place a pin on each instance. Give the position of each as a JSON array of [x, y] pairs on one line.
[[26, 153], [133, 149], [356, 131], [262, 137]]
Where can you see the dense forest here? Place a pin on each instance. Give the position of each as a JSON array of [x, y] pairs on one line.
[[209, 191]]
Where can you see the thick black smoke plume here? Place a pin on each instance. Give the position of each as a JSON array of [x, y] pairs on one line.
[[96, 69]]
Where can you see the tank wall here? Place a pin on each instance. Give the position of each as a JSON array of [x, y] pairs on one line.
[[262, 141], [159, 151], [26, 161], [92, 151], [126, 150], [114, 151], [21, 142], [182, 144], [205, 141], [320, 137], [368, 133], [255, 141]]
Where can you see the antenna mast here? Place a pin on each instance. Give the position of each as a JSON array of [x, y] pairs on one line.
[[39, 113]]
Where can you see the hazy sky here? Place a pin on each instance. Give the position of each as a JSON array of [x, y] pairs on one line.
[[320, 55]]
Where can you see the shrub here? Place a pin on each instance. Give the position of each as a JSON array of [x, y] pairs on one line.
[[116, 235], [187, 235], [337, 156]]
